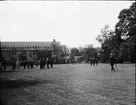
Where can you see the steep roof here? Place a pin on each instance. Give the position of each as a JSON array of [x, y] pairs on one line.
[[26, 45], [23, 44]]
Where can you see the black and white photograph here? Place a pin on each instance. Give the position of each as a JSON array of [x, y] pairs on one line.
[[67, 52]]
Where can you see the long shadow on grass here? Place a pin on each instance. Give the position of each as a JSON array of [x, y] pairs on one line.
[[12, 84]]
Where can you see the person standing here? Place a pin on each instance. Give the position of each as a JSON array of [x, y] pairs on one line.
[[41, 64], [13, 64], [44, 62], [28, 64], [18, 64], [51, 62], [4, 63], [25, 64], [37, 63], [96, 60], [91, 61], [31, 63], [21, 63], [112, 62], [73, 60], [48, 62]]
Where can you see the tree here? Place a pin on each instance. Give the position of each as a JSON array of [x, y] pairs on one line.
[[121, 41], [75, 51], [127, 22], [125, 31], [108, 41], [90, 52], [81, 50], [107, 38]]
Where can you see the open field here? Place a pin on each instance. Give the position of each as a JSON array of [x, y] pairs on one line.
[[68, 84]]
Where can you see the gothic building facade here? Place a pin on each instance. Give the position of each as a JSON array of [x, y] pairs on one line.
[[30, 50]]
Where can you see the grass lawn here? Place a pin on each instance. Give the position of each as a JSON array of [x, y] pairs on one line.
[[67, 84]]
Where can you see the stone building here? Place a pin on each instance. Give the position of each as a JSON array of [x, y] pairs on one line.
[[30, 50]]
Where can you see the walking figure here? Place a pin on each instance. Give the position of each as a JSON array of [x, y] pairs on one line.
[[25, 64], [4, 64], [96, 60], [13, 64], [51, 62], [28, 64], [48, 62], [31, 63], [44, 62], [112, 62], [17, 64], [37, 63], [91, 61], [41, 64]]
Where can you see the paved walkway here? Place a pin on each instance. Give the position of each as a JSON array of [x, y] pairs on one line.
[[68, 84]]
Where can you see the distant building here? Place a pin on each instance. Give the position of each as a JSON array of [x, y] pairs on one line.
[[30, 50]]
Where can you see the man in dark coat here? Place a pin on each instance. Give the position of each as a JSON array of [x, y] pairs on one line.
[[96, 60], [112, 62], [4, 63], [13, 64], [37, 63], [91, 61], [48, 62], [28, 64], [51, 62], [25, 64], [41, 64], [44, 62], [31, 63]]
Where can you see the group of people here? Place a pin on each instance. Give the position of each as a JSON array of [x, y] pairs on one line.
[[112, 61], [25, 64], [43, 62], [93, 60], [29, 64]]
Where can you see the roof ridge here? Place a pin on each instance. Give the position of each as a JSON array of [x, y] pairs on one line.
[[26, 41]]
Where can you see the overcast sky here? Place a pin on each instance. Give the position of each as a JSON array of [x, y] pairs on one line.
[[73, 23]]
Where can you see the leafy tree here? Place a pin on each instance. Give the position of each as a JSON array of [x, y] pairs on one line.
[[75, 51], [125, 31], [107, 38], [127, 22], [90, 52], [104, 34], [122, 41], [81, 50]]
